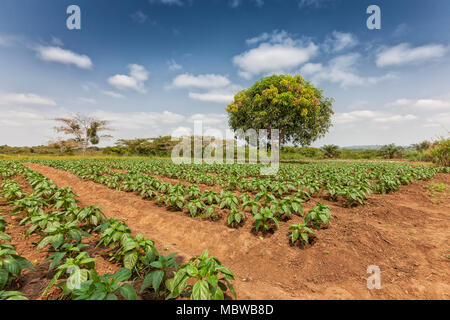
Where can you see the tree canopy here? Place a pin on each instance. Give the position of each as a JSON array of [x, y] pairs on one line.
[[85, 130], [284, 102]]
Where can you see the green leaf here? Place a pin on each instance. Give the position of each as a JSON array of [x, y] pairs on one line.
[[218, 294], [45, 242], [212, 280], [57, 257], [147, 282], [130, 260], [111, 296], [200, 291], [123, 275], [128, 292], [191, 271], [294, 235], [157, 279], [4, 276], [5, 237], [12, 266], [305, 237]]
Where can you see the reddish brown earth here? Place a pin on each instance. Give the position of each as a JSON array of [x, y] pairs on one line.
[[404, 233], [32, 283]]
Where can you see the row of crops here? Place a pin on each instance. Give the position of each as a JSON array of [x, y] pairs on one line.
[[244, 195], [350, 183], [263, 208], [53, 214]]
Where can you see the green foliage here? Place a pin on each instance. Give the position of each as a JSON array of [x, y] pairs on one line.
[[441, 153], [284, 102], [106, 287], [319, 216], [161, 269], [202, 278], [331, 151], [11, 295], [265, 220], [235, 218], [11, 264], [76, 268], [391, 151], [301, 233]]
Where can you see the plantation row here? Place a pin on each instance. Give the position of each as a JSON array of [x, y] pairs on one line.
[[264, 208], [53, 214], [349, 183]]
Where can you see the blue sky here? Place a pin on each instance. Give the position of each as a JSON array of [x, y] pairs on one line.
[[153, 67]]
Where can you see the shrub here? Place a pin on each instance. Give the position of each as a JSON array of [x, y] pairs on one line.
[[391, 151], [331, 151]]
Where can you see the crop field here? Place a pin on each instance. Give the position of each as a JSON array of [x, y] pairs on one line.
[[151, 229]]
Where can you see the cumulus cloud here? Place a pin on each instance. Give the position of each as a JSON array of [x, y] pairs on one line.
[[202, 81], [59, 55], [12, 99], [135, 80], [405, 54], [339, 41], [340, 70], [270, 57]]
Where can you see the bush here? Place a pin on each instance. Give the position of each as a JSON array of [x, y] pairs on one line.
[[331, 151], [440, 153], [391, 151]]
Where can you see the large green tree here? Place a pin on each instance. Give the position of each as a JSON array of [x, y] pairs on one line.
[[284, 102]]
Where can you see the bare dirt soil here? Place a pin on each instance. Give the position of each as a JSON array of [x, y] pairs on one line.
[[405, 233]]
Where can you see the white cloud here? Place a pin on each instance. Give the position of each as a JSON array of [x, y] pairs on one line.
[[174, 66], [277, 36], [237, 3], [87, 100], [139, 17], [212, 96], [8, 41], [56, 54], [57, 42], [168, 2], [339, 41], [313, 3], [340, 70], [25, 99], [367, 116], [202, 81], [421, 104], [439, 120], [273, 58], [113, 94], [136, 79], [404, 54]]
